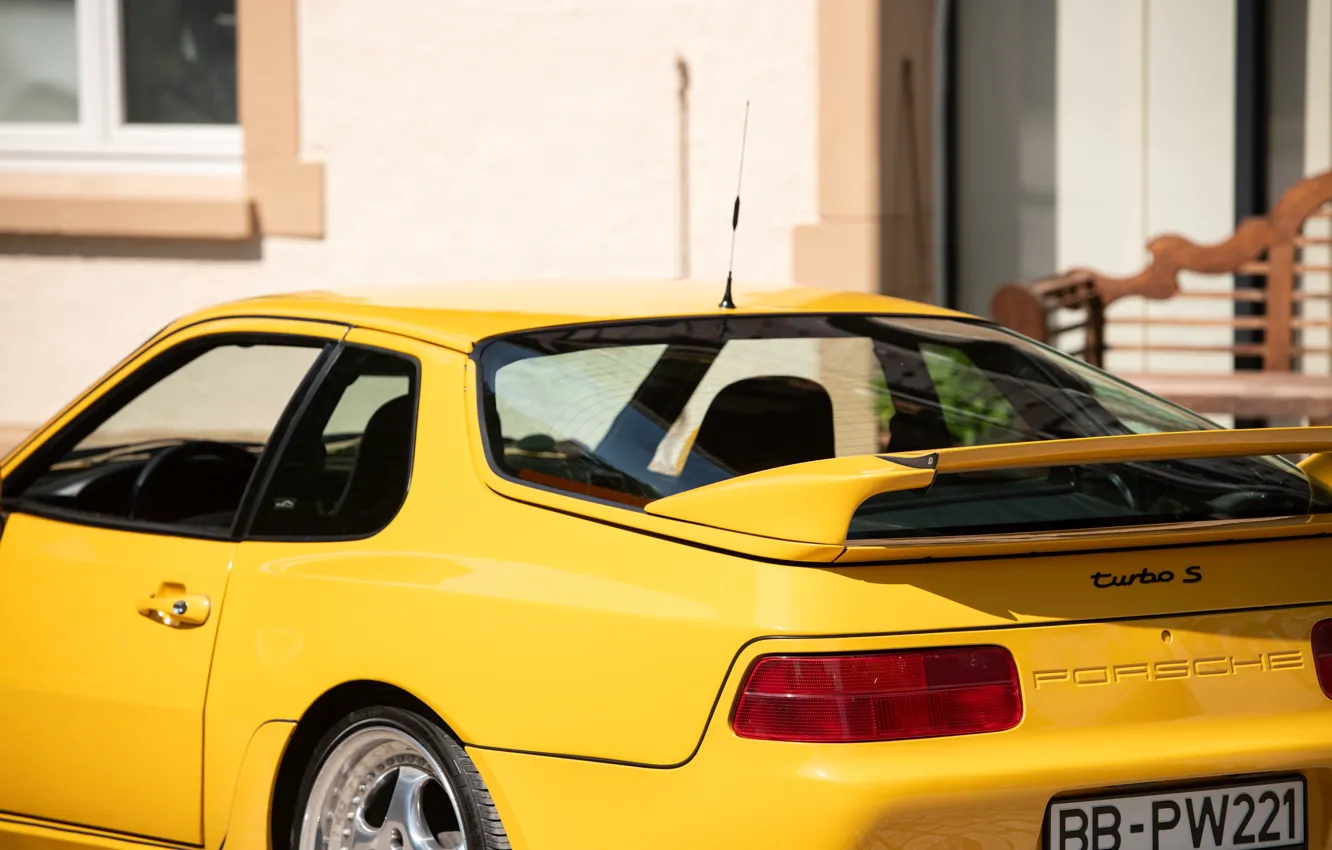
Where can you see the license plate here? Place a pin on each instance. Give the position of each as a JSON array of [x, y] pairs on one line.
[[1252, 816]]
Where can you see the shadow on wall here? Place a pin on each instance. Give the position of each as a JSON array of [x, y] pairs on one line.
[[245, 250]]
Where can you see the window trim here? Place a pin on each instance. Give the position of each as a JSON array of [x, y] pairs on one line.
[[275, 191], [249, 509], [132, 385]]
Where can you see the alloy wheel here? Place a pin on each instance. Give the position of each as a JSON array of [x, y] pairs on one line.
[[381, 789]]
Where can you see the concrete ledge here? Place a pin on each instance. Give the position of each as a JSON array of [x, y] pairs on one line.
[[125, 205]]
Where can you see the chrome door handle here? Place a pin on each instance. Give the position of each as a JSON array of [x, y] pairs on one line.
[[172, 606]]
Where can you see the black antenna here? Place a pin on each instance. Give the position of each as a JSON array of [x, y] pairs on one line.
[[726, 302]]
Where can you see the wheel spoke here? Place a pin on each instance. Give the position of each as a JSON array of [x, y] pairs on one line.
[[405, 825], [362, 835], [380, 789]]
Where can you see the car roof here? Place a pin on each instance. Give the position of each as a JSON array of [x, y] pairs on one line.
[[458, 315]]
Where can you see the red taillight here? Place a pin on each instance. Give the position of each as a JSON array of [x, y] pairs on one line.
[[1322, 653], [882, 696]]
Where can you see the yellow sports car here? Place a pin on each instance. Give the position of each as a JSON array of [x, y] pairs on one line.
[[573, 566]]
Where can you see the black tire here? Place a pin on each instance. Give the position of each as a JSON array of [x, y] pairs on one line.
[[480, 821]]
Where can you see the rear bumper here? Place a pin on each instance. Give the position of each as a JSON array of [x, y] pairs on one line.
[[1168, 701], [983, 792]]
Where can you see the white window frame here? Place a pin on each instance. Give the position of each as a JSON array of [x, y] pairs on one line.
[[101, 141]]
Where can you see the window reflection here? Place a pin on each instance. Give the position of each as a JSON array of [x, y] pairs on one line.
[[179, 61]]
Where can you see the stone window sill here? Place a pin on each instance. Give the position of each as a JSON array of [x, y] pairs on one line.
[[123, 205]]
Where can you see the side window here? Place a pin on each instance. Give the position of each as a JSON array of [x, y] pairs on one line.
[[344, 471], [178, 441]]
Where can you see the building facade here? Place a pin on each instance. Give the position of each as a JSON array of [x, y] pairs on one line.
[[1083, 128], [160, 155]]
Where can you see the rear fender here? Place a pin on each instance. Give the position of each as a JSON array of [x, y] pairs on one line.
[[251, 803]]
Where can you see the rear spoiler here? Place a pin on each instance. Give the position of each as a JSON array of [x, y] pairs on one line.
[[813, 502]]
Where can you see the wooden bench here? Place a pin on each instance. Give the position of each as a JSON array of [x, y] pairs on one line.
[[1268, 303]]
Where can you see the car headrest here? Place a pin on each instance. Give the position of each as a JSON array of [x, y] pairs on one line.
[[760, 423], [383, 459]]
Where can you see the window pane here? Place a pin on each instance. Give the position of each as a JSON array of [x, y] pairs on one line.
[[39, 70], [179, 60], [628, 413], [840, 366], [974, 411], [230, 393], [571, 398], [555, 412], [182, 449], [366, 395], [346, 467]]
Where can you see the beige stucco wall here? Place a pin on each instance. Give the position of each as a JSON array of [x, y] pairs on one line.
[[470, 141], [1130, 165]]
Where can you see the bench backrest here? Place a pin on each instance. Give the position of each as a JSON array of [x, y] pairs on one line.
[[1269, 250]]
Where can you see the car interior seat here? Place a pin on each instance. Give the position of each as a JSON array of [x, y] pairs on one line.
[[761, 423], [378, 481]]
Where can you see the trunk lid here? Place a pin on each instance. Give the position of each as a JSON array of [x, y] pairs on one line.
[[995, 580], [1027, 588]]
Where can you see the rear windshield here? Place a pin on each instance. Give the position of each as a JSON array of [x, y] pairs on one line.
[[629, 413]]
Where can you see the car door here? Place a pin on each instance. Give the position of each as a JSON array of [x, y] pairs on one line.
[[114, 555]]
